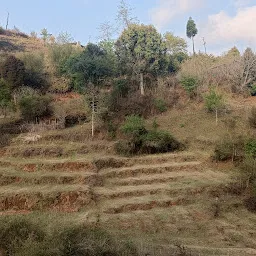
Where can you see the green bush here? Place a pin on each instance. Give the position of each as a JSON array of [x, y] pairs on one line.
[[121, 88], [134, 126], [140, 140], [213, 101], [159, 142], [250, 148], [34, 106], [252, 118], [119, 92], [253, 90], [190, 85], [160, 105]]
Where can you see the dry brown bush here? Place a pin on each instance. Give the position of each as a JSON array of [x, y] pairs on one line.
[[234, 72], [76, 108]]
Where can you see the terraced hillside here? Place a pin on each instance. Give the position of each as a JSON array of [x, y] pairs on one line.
[[159, 199]]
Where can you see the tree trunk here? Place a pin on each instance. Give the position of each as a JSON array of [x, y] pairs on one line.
[[142, 91], [193, 45]]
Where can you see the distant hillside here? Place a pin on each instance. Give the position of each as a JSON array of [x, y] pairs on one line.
[[11, 42]]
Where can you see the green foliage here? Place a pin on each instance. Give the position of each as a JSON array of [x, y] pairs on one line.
[[174, 61], [158, 142], [35, 76], [140, 140], [191, 28], [191, 31], [134, 126], [253, 89], [250, 148], [34, 106], [92, 66], [252, 118], [140, 49], [44, 34], [213, 101], [160, 105], [190, 85], [121, 88], [175, 44], [59, 54], [13, 71]]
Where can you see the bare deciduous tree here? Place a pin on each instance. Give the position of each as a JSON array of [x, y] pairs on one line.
[[106, 30], [124, 15]]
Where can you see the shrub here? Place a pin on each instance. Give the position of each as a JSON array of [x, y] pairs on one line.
[[250, 148], [213, 101], [247, 177], [160, 105], [59, 55], [119, 92], [5, 96], [189, 84], [248, 171], [33, 107], [253, 90], [15, 233], [140, 140], [35, 76], [250, 203], [230, 148], [82, 241], [124, 147], [121, 88], [252, 118], [33, 34], [159, 142], [134, 126], [2, 31], [13, 71]]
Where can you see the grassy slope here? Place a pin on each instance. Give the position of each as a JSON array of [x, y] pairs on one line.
[[151, 199], [16, 44]]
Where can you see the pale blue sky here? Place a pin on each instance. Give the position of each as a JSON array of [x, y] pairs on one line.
[[223, 23]]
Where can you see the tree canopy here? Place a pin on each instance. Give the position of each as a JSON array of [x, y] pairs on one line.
[[93, 65], [191, 31], [140, 49]]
